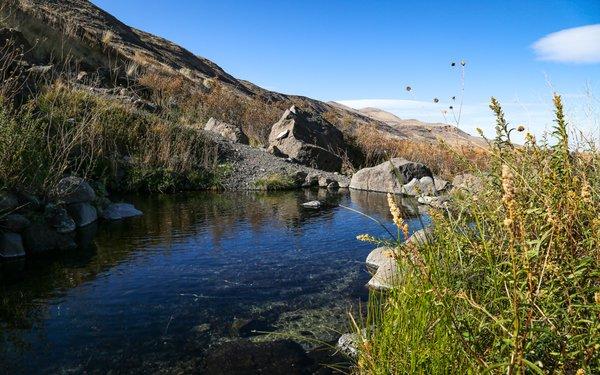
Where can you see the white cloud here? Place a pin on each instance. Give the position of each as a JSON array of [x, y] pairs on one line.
[[577, 45]]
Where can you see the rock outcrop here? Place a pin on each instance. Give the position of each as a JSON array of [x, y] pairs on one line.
[[118, 211], [228, 131], [307, 139], [399, 176]]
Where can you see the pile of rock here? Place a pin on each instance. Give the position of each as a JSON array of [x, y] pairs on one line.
[[30, 226], [399, 176]]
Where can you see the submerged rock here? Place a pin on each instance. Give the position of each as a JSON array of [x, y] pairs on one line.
[[117, 211], [284, 357]]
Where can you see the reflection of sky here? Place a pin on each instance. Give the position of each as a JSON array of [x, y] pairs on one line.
[[201, 272]]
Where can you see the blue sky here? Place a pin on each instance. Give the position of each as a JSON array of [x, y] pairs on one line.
[[367, 52]]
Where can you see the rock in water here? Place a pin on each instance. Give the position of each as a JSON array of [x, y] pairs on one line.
[[83, 213], [39, 238], [117, 211], [312, 204], [11, 246], [308, 139], [348, 344], [74, 190], [390, 176], [231, 132]]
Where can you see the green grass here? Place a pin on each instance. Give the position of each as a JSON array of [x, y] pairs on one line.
[[275, 181], [509, 282]]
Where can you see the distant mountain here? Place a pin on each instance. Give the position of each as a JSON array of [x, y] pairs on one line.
[[98, 41]]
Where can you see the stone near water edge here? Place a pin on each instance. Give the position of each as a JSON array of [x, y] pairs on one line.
[[324, 181], [390, 176], [40, 238], [343, 184], [312, 204], [59, 219], [419, 237], [386, 277], [14, 222], [74, 190], [333, 185], [425, 186], [11, 246], [118, 211], [380, 256], [311, 180], [83, 213], [228, 131], [436, 202]]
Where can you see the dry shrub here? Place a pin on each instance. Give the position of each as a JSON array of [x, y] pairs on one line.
[[442, 159]]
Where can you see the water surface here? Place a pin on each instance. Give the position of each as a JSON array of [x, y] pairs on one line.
[[154, 293]]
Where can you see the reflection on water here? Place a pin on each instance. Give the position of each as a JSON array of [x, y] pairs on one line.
[[154, 293]]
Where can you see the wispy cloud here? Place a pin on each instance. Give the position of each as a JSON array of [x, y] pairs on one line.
[[576, 45]]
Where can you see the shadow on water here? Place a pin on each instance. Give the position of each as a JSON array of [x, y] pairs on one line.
[[156, 292]]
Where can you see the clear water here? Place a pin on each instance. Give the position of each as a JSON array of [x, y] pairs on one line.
[[153, 294]]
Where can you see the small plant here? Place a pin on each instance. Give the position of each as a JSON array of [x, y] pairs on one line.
[[275, 181]]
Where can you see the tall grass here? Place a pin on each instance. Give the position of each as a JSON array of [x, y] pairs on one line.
[[509, 280]]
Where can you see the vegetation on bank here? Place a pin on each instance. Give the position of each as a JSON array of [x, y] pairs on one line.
[[275, 181], [509, 279]]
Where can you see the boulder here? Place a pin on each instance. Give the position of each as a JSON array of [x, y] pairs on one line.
[[83, 213], [425, 186], [299, 177], [117, 211], [59, 219], [14, 222], [11, 246], [40, 238], [74, 190], [436, 202], [231, 132], [380, 256], [333, 185], [390, 176], [343, 184], [308, 139], [284, 357], [419, 237], [386, 277]]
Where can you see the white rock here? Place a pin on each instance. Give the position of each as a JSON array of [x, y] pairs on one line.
[[380, 256], [312, 204]]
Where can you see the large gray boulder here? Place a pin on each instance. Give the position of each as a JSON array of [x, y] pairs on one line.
[[14, 222], [74, 190], [307, 139], [83, 214], [11, 246], [118, 211], [231, 132], [398, 176], [40, 238]]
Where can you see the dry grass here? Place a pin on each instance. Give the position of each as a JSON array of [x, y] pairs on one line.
[[444, 160]]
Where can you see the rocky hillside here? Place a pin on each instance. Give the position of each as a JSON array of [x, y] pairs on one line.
[[100, 43]]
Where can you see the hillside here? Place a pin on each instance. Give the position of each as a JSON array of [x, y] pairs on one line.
[[98, 42]]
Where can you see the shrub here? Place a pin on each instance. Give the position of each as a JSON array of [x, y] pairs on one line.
[[511, 272], [275, 181]]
